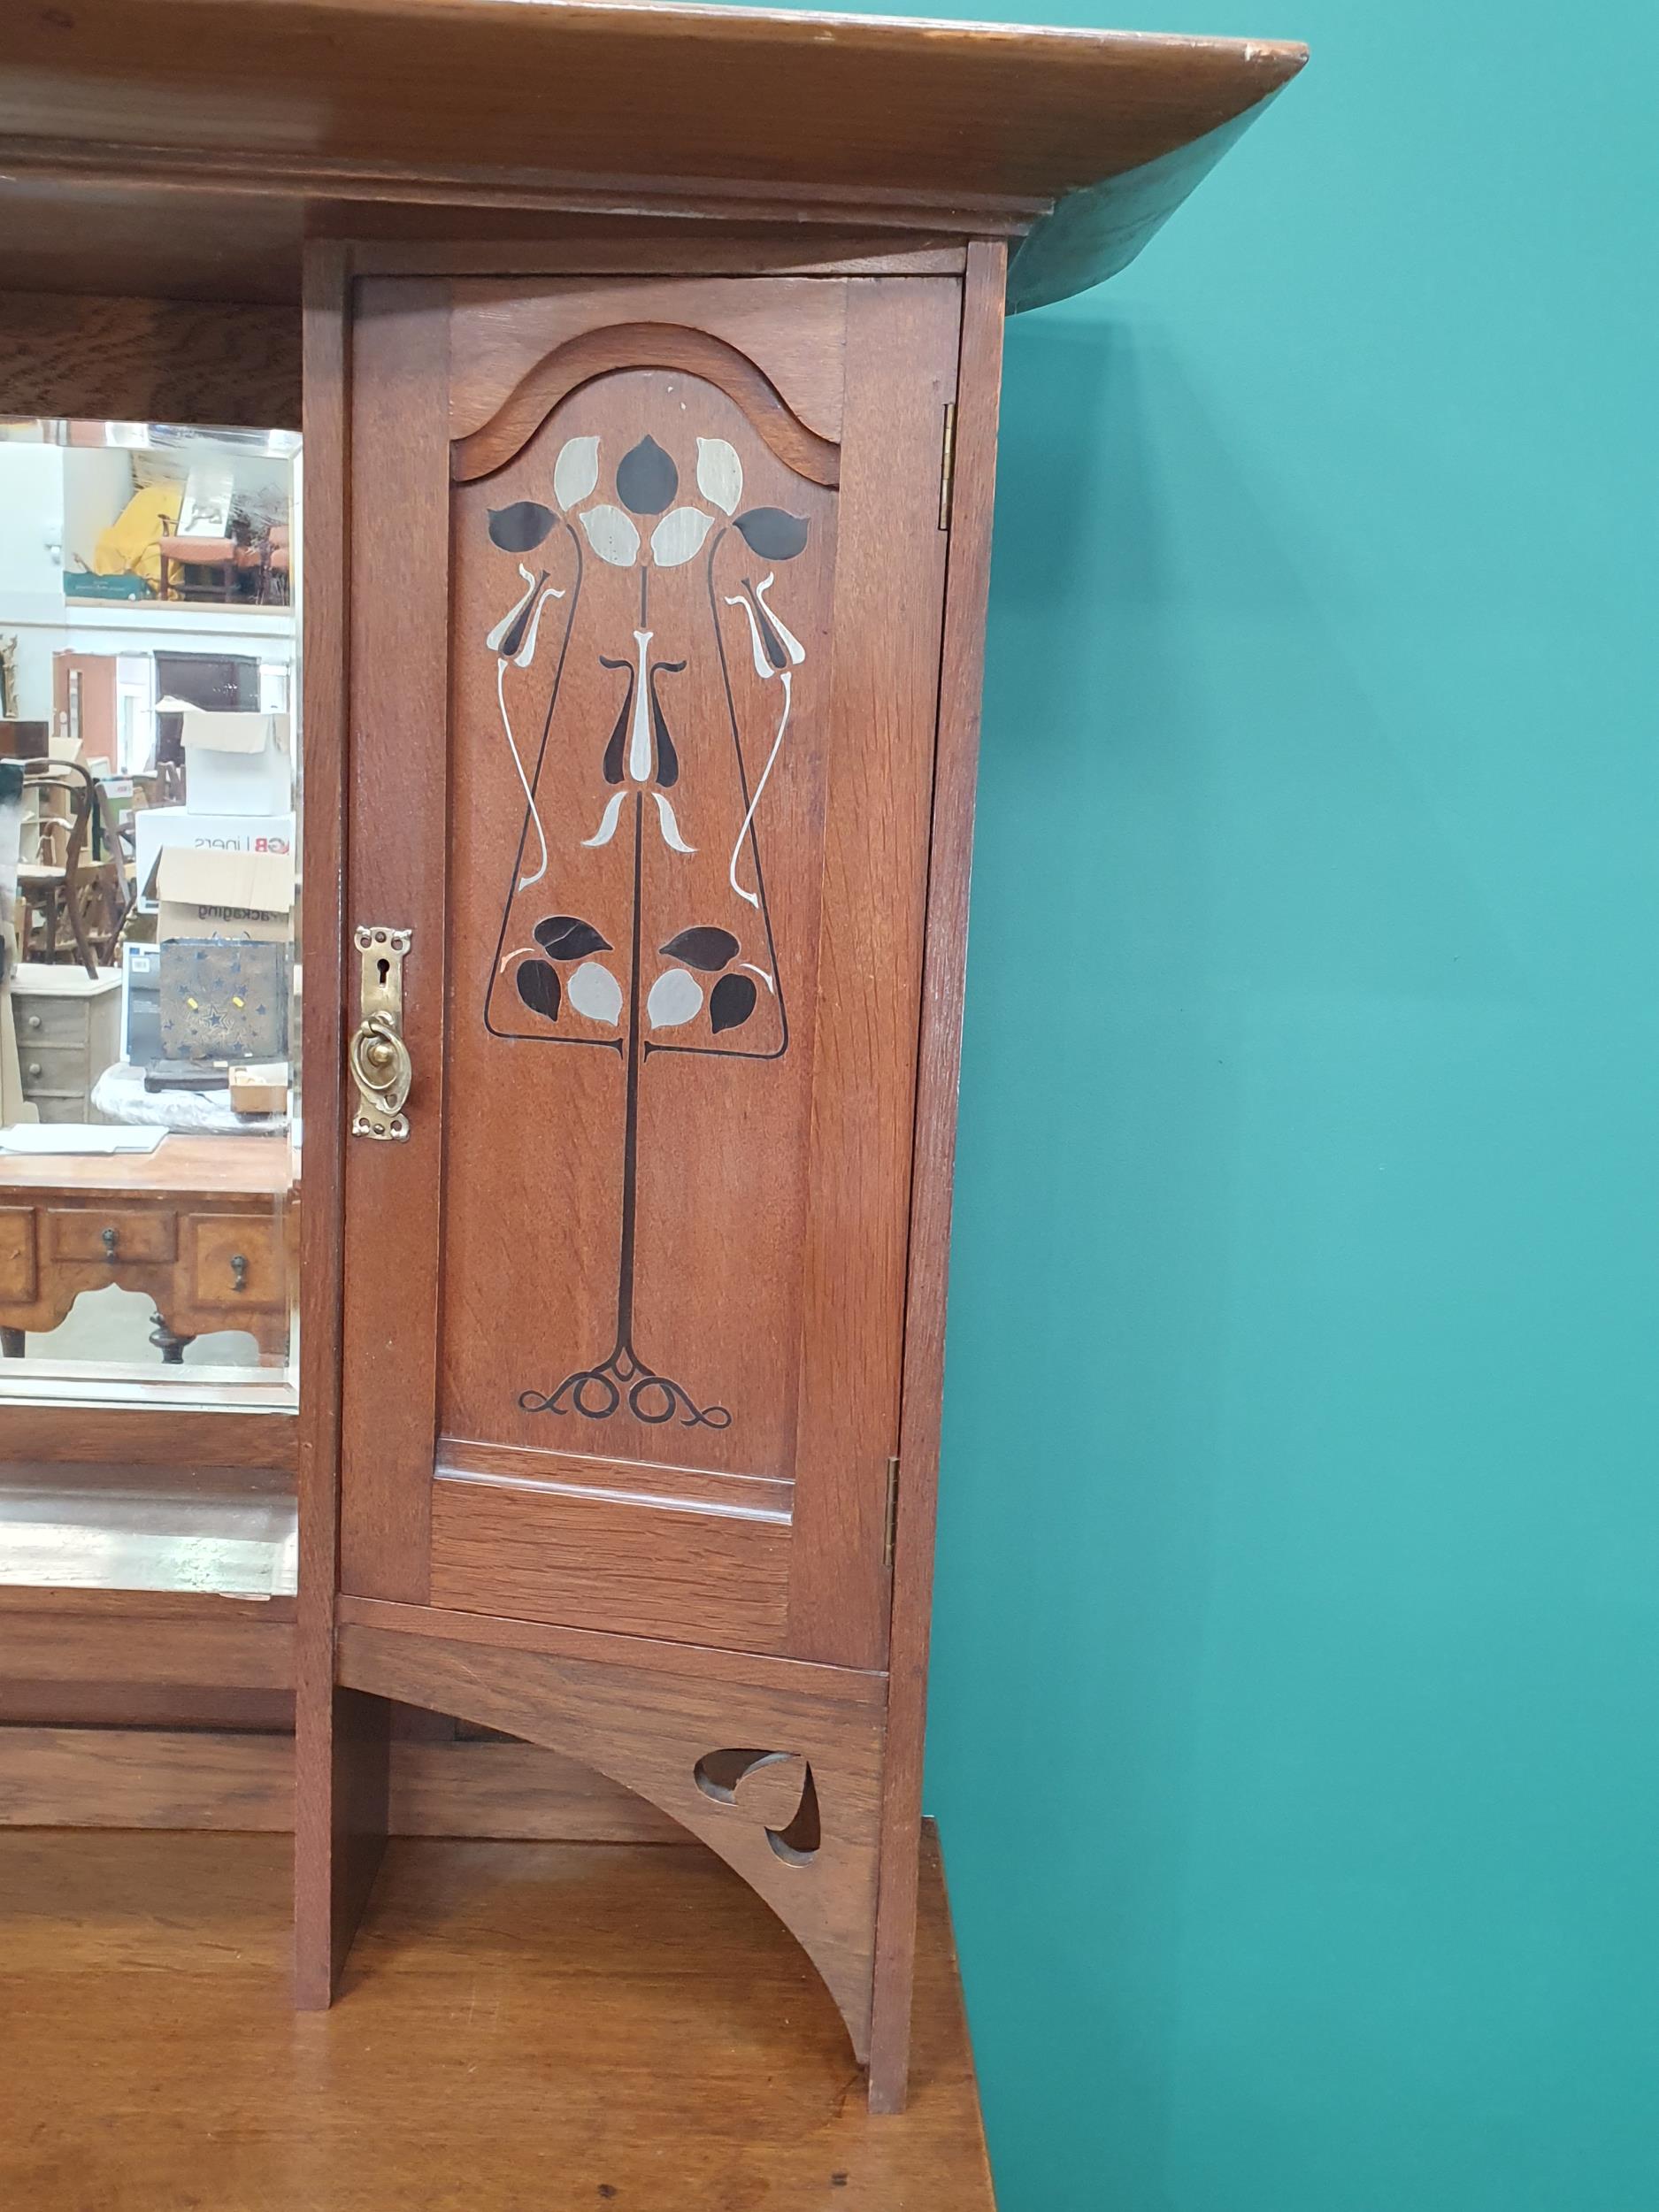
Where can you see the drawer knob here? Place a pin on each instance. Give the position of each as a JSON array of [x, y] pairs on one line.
[[111, 1239], [238, 1271], [33, 1021], [34, 1067]]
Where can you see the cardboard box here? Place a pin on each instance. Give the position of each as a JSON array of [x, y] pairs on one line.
[[154, 828], [235, 764], [260, 1087], [206, 892]]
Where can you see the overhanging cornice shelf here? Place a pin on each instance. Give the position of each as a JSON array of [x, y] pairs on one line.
[[273, 119]]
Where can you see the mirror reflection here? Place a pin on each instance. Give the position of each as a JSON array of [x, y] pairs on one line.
[[149, 1026]]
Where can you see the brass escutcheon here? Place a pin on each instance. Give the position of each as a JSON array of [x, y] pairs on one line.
[[377, 1058]]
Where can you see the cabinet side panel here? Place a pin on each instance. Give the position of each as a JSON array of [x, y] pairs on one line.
[[961, 673]]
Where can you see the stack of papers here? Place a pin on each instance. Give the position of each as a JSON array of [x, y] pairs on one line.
[[99, 1140]]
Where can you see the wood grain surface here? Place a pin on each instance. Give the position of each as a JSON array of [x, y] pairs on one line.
[[902, 374], [150, 360], [526, 2027], [655, 1734], [618, 344], [396, 587], [194, 1446], [205, 1778], [724, 1209], [637, 1566], [180, 150], [966, 586], [376, 91], [744, 1670], [240, 1646], [342, 1740], [235, 1164]]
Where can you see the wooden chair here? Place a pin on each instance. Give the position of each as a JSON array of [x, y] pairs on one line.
[[217, 559], [267, 559], [274, 584], [87, 896]]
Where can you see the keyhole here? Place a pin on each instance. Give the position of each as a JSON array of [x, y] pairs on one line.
[[384, 967]]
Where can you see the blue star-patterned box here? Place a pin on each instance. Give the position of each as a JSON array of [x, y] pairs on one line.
[[224, 999]]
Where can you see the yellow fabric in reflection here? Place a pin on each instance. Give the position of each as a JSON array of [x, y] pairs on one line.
[[127, 548]]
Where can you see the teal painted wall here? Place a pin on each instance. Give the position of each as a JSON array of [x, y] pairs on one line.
[[1294, 1734]]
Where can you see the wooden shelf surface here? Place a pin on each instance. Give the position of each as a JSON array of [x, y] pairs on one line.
[[87, 1531], [526, 2025], [195, 144], [210, 1165]]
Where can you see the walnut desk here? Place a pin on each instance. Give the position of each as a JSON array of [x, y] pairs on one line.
[[194, 1225]]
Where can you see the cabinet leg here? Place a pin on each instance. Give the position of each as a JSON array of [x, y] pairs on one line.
[[172, 1345], [342, 1772], [12, 1342], [895, 1968]]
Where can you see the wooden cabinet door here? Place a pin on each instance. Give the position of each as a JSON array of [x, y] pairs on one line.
[[646, 587]]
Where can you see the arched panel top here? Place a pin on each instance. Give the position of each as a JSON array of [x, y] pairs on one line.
[[644, 345]]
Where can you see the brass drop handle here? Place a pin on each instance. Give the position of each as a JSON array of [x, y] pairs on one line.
[[239, 1271], [110, 1238], [381, 1065], [377, 1059]]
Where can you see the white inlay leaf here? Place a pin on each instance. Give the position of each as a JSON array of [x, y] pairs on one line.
[[679, 535], [594, 991], [576, 470], [719, 474], [612, 535], [496, 636], [791, 644], [607, 828], [763, 666], [675, 998], [670, 827]]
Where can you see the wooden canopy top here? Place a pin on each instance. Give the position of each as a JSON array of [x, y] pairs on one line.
[[320, 107]]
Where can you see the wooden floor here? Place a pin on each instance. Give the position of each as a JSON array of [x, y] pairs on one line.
[[527, 2027]]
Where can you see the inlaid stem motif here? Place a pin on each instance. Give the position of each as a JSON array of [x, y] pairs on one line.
[[556, 977]]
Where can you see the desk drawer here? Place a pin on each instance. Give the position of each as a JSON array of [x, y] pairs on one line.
[[111, 1233], [65, 1106], [49, 1021], [53, 1070], [17, 1252], [217, 1243]]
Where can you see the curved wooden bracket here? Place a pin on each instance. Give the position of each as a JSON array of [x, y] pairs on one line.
[[619, 345], [798, 1818]]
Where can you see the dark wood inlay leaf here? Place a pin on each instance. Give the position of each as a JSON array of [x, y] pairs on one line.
[[522, 527], [567, 937], [667, 758], [539, 989], [612, 765], [732, 1002], [647, 478], [706, 948], [773, 532], [514, 636], [771, 644]]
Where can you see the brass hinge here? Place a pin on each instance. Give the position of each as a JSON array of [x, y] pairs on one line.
[[947, 467], [892, 1531]]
